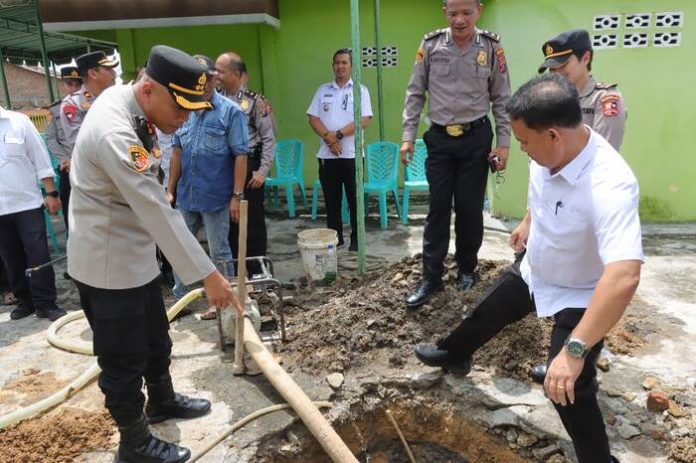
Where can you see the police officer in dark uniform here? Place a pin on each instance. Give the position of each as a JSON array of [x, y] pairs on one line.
[[231, 79], [464, 72], [118, 211], [71, 81]]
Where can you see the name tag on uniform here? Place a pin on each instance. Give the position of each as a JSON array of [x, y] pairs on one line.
[[13, 140], [327, 100]]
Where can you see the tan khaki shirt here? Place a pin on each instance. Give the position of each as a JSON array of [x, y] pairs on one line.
[[73, 110], [604, 109], [261, 127], [462, 85], [118, 210]]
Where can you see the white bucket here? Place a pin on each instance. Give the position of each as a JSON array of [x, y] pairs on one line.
[[318, 251]]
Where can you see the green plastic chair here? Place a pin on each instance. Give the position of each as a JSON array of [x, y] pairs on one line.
[[382, 172], [288, 172], [345, 215], [414, 176]]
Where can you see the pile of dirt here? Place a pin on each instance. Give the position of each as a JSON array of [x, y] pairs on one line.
[[358, 320], [57, 437], [34, 384], [683, 450]]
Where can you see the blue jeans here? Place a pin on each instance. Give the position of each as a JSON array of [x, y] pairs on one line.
[[217, 228]]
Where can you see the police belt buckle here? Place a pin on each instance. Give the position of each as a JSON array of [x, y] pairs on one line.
[[456, 130]]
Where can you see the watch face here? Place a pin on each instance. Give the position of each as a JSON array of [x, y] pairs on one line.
[[576, 349]]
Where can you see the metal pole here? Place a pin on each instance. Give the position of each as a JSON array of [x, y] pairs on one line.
[[8, 102], [44, 55], [380, 89], [357, 119], [56, 80]]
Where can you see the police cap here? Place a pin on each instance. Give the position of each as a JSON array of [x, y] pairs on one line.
[[70, 72], [560, 48], [182, 75], [207, 63], [93, 60]]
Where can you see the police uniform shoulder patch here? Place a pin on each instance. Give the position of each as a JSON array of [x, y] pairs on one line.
[[610, 105], [491, 35], [420, 55], [433, 34], [70, 111], [263, 105], [502, 61], [139, 158]]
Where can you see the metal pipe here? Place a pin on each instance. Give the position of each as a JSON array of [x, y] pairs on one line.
[[238, 366], [357, 120], [44, 54], [380, 88], [8, 102]]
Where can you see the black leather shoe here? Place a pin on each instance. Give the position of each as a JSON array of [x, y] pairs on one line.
[[179, 406], [539, 374], [53, 313], [465, 281], [139, 446], [422, 293], [353, 246], [434, 357], [21, 311]]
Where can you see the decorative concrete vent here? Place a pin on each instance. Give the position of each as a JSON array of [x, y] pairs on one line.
[[667, 39], [669, 19], [607, 22], [638, 21], [389, 56], [604, 41], [637, 40]]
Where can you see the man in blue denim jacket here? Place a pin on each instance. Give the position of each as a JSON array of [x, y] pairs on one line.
[[207, 172]]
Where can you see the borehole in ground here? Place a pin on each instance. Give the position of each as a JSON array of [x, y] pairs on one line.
[[436, 431]]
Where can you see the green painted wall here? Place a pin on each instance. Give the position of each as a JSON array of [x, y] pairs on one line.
[[654, 81], [289, 63]]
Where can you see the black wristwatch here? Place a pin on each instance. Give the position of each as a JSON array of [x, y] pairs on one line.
[[53, 194], [576, 347], [339, 134]]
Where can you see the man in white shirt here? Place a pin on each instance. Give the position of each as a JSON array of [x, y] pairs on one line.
[[582, 263], [23, 240], [331, 117]]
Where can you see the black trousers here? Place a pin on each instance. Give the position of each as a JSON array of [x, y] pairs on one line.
[[508, 301], [456, 168], [131, 342], [24, 244], [334, 175], [64, 190], [257, 234]]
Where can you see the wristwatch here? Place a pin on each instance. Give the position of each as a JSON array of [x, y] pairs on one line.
[[53, 194], [339, 134], [238, 195], [576, 347]]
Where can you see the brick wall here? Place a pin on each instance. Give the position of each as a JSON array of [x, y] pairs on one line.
[[28, 89]]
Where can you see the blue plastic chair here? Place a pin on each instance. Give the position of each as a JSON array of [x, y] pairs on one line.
[[288, 172], [414, 176], [382, 172], [345, 215]]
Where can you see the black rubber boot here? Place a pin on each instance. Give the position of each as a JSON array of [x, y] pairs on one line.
[[138, 445], [163, 403]]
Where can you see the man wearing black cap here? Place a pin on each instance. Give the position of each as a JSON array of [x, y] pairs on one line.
[[207, 171], [603, 107], [118, 212], [71, 81]]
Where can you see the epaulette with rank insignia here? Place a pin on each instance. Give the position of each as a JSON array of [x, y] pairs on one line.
[[600, 86], [250, 93], [491, 35], [433, 34]]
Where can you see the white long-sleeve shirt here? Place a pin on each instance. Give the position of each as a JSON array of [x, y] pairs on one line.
[[23, 162]]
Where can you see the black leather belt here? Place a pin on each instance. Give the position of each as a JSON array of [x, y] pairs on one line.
[[457, 130]]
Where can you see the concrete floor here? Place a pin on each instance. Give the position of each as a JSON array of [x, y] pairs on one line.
[[667, 285]]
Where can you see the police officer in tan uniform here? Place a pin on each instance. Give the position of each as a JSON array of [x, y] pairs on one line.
[[71, 81], [117, 214], [463, 70], [603, 107], [231, 79]]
